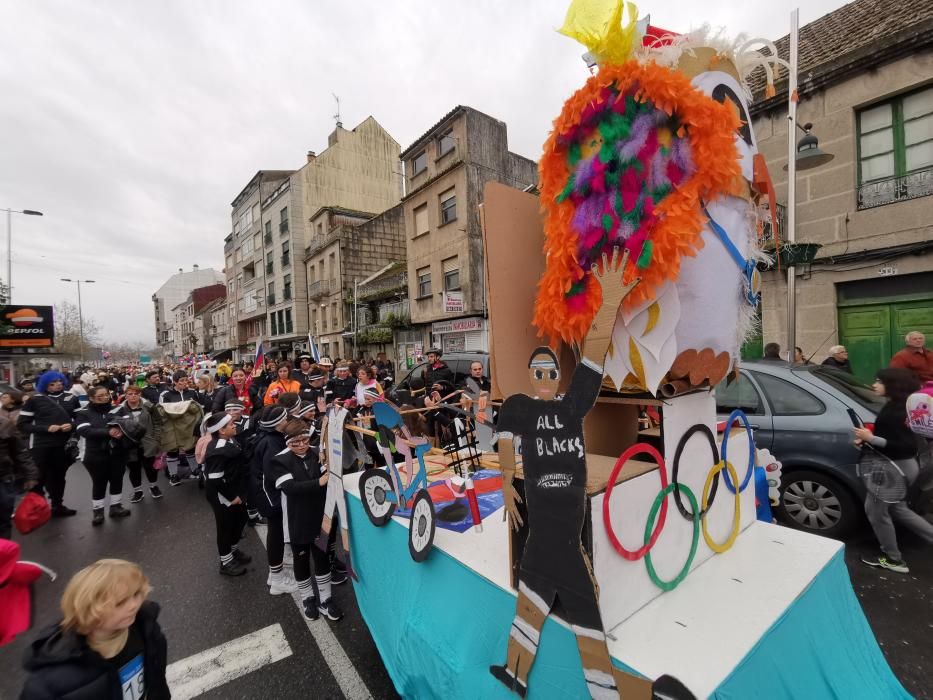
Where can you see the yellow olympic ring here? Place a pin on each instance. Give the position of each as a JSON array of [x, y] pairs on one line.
[[737, 509]]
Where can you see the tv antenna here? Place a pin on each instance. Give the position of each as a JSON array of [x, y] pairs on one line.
[[337, 116]]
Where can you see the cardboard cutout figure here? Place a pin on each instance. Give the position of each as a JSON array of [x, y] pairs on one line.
[[333, 454], [554, 565]]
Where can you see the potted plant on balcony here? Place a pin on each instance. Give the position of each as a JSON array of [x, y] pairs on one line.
[[797, 253]]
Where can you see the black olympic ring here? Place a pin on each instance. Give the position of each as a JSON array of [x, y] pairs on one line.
[[697, 428]]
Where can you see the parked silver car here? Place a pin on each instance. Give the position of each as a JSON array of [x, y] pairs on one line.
[[801, 414]]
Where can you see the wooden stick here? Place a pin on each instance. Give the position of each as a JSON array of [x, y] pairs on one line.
[[373, 433]]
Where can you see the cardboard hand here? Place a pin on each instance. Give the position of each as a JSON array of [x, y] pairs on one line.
[[609, 278], [512, 499], [613, 291]]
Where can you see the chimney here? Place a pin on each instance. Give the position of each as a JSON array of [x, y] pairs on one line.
[[312, 156]]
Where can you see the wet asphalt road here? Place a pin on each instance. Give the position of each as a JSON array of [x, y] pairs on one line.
[[173, 540]]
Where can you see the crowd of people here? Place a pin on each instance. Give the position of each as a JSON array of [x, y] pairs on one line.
[[249, 436], [914, 356], [251, 439]]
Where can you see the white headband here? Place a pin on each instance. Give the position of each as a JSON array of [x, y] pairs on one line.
[[220, 424]]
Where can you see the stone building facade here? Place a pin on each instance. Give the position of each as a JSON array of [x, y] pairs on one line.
[[866, 85], [271, 220], [347, 247], [446, 170]]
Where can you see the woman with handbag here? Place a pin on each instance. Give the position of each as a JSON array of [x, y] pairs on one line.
[[894, 441]]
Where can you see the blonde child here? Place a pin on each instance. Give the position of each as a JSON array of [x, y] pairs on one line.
[[108, 644]]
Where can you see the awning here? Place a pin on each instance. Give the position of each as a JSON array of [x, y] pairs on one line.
[[223, 354]]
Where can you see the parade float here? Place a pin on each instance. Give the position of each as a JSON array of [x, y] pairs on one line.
[[598, 555]]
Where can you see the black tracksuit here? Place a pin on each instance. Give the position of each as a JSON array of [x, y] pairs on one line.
[[152, 393], [298, 479], [225, 470], [99, 460], [343, 389], [62, 665], [268, 500], [48, 449]]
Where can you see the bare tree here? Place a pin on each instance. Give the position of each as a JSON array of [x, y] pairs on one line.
[[68, 330]]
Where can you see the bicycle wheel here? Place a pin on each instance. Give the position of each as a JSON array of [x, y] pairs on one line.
[[375, 486], [421, 529]]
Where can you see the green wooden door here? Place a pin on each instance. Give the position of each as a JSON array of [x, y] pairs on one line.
[[907, 316], [754, 348], [872, 333], [866, 333]]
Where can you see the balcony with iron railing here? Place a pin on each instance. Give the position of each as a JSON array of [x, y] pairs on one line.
[[321, 288], [394, 310], [896, 189]]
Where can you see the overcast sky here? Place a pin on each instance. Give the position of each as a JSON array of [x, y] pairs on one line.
[[133, 125]]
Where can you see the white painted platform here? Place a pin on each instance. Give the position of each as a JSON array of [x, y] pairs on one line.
[[698, 632]]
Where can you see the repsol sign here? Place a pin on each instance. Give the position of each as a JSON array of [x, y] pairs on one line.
[[26, 327]]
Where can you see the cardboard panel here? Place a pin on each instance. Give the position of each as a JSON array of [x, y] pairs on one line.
[[513, 234], [610, 428], [624, 585]]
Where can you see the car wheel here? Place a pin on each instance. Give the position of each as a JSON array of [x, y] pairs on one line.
[[817, 503]]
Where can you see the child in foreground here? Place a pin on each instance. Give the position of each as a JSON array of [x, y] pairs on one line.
[[108, 644]]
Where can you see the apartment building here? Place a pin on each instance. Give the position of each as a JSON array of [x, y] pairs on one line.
[[446, 170], [348, 247], [188, 333], [212, 321], [866, 85], [271, 222], [175, 291]]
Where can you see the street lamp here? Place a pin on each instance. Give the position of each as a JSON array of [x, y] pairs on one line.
[[801, 155], [80, 311], [9, 246]]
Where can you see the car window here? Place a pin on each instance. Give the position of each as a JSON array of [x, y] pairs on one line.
[[415, 372], [849, 386], [742, 394], [787, 399]]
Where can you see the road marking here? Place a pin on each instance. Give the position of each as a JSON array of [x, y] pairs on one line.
[[341, 667], [201, 672]]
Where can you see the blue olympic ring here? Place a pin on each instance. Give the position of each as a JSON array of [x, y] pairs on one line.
[[740, 414]]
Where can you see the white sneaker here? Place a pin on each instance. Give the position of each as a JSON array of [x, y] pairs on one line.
[[282, 583]]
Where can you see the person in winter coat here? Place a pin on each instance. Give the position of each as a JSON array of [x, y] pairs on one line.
[[207, 389], [94, 425], [48, 419], [270, 441], [17, 471], [342, 386], [154, 386], [300, 477], [284, 384], [180, 415], [437, 370], [893, 438], [108, 645], [225, 491], [141, 455], [241, 388]]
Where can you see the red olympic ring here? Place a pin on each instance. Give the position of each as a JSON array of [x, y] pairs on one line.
[[636, 449]]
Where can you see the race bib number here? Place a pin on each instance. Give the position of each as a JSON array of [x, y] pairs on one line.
[[133, 679]]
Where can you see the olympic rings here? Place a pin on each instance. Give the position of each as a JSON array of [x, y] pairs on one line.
[[737, 509], [636, 449], [661, 497], [697, 428], [740, 414]]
